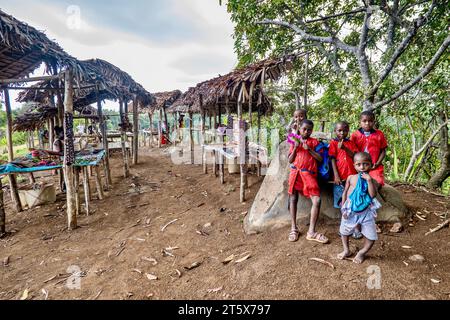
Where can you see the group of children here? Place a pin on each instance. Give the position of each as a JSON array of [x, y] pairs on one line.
[[357, 164]]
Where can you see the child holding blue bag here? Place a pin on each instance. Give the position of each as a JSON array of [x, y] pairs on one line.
[[359, 207]]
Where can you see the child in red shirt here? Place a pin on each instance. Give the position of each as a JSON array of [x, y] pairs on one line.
[[341, 152], [372, 141], [303, 180]]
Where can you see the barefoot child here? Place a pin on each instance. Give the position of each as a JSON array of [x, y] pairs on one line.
[[359, 207], [303, 180], [341, 153], [372, 141]]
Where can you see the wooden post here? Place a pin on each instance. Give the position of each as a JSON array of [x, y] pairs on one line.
[[87, 190], [176, 129], [2, 212], [51, 132], [69, 153], [123, 138], [150, 117], [205, 161], [98, 183], [135, 131], [32, 139], [104, 133], [60, 105], [77, 189], [160, 130], [9, 141], [165, 119], [191, 136], [215, 163], [258, 139], [243, 170]]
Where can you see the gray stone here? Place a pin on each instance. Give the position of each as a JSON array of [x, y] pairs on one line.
[[270, 207]]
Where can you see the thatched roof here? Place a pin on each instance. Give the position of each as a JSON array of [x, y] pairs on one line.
[[245, 85], [23, 49], [113, 84], [162, 100], [117, 82], [37, 116]]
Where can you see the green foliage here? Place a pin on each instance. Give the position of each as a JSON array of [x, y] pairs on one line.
[[338, 95]]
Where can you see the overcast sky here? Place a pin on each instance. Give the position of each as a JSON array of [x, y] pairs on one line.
[[163, 44]]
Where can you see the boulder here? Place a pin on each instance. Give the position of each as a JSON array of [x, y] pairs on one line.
[[270, 207]]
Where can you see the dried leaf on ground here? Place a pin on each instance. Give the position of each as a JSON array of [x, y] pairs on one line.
[[45, 293], [435, 281], [193, 265], [24, 295], [243, 258], [151, 276], [228, 259], [215, 290], [151, 260]]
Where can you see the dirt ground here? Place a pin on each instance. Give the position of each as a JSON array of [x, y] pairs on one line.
[[121, 247]]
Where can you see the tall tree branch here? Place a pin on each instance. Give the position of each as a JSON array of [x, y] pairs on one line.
[[361, 55], [305, 36], [419, 22], [392, 24], [423, 73]]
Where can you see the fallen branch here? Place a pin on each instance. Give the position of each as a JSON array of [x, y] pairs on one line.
[[168, 224], [439, 227], [323, 262]]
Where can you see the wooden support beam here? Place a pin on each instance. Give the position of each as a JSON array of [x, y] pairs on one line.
[[12, 178], [76, 171], [160, 129], [51, 132], [191, 136], [69, 153], [103, 131], [135, 132], [215, 163], [87, 191], [150, 117], [123, 140], [243, 169], [205, 161], [2, 212], [31, 79], [98, 183]]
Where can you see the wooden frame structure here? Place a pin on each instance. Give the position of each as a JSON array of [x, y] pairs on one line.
[[22, 50]]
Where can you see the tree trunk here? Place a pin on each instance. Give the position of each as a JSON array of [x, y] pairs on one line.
[[443, 173]]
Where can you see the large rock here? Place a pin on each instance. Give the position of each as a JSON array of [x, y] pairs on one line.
[[270, 207]]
